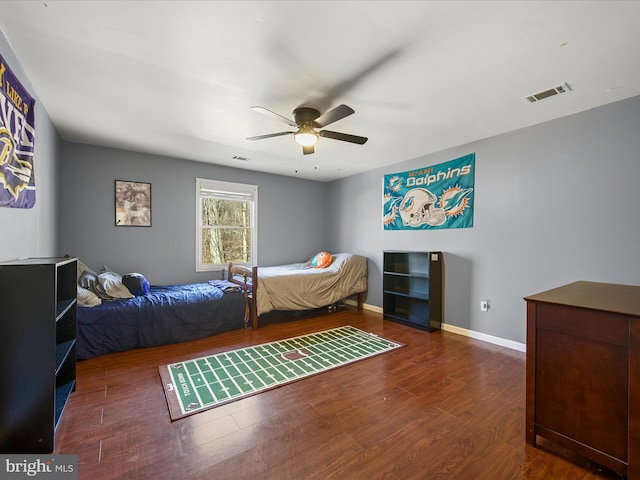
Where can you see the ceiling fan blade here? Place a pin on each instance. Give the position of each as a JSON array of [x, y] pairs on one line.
[[334, 115], [308, 149], [271, 114], [269, 135], [345, 137]]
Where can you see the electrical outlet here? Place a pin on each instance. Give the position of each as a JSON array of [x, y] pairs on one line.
[[484, 305]]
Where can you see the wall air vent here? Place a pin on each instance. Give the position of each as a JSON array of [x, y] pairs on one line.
[[536, 97]]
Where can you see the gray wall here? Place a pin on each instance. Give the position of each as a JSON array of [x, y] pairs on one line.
[[290, 213], [34, 232], [554, 203]]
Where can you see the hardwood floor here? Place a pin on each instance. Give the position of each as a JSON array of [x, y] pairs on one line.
[[443, 407]]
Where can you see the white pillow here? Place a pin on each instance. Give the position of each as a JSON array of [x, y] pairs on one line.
[[111, 283], [86, 298]]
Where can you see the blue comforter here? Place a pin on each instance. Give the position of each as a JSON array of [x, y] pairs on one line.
[[168, 314]]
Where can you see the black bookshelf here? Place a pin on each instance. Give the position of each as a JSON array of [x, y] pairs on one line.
[[38, 345], [412, 288]]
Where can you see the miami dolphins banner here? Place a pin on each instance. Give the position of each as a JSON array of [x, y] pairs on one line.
[[436, 197], [17, 134]]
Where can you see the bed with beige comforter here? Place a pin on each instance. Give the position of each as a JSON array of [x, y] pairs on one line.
[[299, 286]]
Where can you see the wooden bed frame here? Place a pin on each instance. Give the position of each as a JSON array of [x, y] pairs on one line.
[[247, 279]]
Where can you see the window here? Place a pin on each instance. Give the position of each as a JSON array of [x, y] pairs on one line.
[[226, 229]]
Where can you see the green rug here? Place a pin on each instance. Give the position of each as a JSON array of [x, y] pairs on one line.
[[206, 382]]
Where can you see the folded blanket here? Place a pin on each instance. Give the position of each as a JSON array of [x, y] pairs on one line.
[[225, 285]]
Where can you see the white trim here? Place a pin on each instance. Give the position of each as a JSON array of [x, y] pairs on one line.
[[365, 306], [371, 308], [503, 342]]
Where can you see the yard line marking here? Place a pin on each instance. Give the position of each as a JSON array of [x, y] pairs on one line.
[[215, 374], [206, 384], [246, 382], [193, 387]]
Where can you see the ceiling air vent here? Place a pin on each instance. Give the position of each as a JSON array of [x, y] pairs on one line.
[[536, 97]]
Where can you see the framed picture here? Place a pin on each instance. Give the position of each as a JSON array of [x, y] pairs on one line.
[[133, 204]]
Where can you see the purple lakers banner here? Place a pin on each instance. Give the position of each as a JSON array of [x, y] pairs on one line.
[[17, 133], [436, 197]]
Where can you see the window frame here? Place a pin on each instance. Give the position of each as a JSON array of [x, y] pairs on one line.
[[226, 191]]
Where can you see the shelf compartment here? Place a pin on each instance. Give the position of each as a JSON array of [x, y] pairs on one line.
[[408, 263], [66, 370], [66, 276], [66, 327], [407, 285], [62, 353], [63, 306], [62, 395], [410, 310]]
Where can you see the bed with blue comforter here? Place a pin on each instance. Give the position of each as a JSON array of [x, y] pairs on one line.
[[167, 314]]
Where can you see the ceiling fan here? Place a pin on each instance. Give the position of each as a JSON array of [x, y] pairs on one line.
[[307, 121]]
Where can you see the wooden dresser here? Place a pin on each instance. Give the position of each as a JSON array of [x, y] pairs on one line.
[[583, 372]]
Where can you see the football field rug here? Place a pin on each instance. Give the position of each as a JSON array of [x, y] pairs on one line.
[[206, 382]]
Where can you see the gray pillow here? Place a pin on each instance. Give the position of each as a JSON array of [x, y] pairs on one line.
[[82, 268], [88, 280]]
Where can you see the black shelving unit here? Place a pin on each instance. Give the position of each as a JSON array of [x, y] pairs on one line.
[[37, 350], [412, 289]]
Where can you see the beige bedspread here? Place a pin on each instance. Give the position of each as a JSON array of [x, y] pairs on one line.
[[298, 286]]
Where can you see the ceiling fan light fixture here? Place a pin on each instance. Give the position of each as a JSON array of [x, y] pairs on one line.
[[308, 120], [306, 137]]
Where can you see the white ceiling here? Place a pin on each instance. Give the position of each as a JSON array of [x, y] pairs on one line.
[[177, 78]]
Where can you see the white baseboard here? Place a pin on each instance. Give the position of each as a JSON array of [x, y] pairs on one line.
[[365, 306], [371, 308], [503, 342]]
